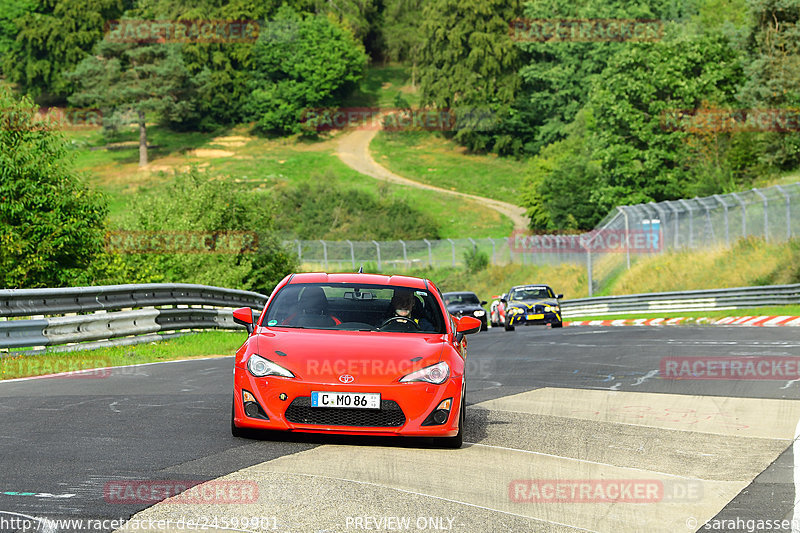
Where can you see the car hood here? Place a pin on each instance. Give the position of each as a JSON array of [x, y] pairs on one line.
[[527, 304], [370, 357]]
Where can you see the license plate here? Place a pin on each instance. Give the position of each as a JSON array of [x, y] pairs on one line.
[[535, 317], [351, 400]]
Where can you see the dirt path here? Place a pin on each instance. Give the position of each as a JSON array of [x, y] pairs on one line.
[[353, 150]]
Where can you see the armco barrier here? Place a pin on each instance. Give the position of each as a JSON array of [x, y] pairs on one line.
[[684, 301], [109, 315]]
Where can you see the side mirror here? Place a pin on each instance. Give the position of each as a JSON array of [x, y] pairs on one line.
[[468, 325], [483, 302], [504, 300], [244, 316], [559, 296], [465, 326]]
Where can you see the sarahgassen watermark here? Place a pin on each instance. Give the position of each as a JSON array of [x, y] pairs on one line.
[[577, 30], [599, 241], [182, 242], [714, 120]]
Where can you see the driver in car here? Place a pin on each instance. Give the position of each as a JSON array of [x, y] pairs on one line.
[[404, 304]]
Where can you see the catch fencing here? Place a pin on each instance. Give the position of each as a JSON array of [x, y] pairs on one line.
[[771, 213]]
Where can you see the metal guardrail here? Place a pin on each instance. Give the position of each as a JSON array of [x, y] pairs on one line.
[[109, 318], [29, 302], [683, 301]]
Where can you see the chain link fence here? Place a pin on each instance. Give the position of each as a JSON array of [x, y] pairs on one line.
[[771, 213]]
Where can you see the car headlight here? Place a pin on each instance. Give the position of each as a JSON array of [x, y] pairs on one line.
[[516, 311], [260, 367], [436, 374], [479, 313]]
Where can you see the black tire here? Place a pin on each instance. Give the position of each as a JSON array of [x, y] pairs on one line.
[[236, 431], [508, 328], [558, 324], [484, 326]]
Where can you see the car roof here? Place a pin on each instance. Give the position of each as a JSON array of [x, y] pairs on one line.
[[529, 287], [458, 292], [350, 277]]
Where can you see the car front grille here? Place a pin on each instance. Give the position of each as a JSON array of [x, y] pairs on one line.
[[301, 412]]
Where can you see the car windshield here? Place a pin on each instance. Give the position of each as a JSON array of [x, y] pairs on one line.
[[350, 306], [531, 293], [461, 298]]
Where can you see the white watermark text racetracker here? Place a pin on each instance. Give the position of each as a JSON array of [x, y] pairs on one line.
[[182, 523], [399, 523]]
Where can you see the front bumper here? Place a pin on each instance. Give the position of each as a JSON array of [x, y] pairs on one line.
[[533, 319], [404, 407]]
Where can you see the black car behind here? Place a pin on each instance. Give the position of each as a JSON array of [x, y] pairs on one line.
[[466, 304]]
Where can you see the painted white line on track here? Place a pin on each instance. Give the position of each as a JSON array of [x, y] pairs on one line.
[[585, 461], [87, 370]]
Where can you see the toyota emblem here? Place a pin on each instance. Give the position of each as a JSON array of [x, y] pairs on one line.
[[346, 378]]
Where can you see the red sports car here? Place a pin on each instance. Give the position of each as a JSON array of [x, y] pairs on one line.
[[354, 354]]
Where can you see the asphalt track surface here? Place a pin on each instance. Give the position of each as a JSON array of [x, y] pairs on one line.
[[581, 403]]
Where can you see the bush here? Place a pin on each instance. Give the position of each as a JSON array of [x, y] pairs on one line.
[[475, 260]]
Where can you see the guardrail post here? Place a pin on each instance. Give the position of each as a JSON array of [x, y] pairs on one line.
[[744, 213], [352, 254], [766, 214], [453, 247], [494, 260], [430, 253], [299, 251], [727, 230], [788, 211], [324, 254], [378, 247]]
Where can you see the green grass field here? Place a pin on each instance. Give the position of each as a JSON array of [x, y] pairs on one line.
[[196, 345], [430, 158]]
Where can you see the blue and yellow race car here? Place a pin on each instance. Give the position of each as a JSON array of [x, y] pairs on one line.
[[529, 305]]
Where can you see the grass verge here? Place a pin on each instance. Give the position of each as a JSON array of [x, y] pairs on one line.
[[428, 157], [192, 346]]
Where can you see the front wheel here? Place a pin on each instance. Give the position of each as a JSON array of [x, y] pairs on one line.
[[508, 327], [558, 324]]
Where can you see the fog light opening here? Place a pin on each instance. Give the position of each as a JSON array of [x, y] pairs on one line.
[[251, 407]]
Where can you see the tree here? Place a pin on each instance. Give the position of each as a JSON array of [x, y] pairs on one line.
[[52, 39], [773, 75], [641, 159], [306, 62], [235, 229], [51, 224], [402, 31], [469, 63], [127, 77]]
